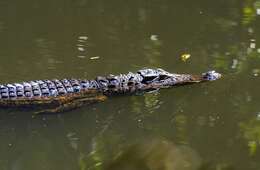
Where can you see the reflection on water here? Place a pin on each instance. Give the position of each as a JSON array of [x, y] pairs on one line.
[[152, 50], [251, 131], [81, 46], [46, 53], [155, 155]]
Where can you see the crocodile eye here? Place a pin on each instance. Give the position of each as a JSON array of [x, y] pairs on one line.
[[163, 77], [148, 79]]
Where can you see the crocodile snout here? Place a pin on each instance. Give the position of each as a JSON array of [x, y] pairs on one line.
[[211, 75]]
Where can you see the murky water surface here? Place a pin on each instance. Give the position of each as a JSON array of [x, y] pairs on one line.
[[211, 126]]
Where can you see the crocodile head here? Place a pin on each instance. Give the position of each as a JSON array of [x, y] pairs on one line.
[[161, 77]]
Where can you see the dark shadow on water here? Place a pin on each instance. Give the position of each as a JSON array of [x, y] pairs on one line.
[[155, 155], [160, 154]]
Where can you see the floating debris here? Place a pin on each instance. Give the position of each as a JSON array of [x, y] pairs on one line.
[[73, 140], [81, 49], [258, 115], [83, 37], [94, 58], [258, 11], [80, 45], [227, 53], [154, 37], [81, 56], [250, 30], [256, 72], [234, 63], [185, 57], [252, 44]]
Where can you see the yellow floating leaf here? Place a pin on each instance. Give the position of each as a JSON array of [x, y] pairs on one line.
[[185, 57]]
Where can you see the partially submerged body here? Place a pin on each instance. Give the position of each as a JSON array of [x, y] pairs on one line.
[[60, 95]]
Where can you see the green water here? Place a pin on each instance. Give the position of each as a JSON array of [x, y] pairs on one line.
[[211, 126]]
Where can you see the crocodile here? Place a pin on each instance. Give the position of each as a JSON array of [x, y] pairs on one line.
[[53, 96]]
